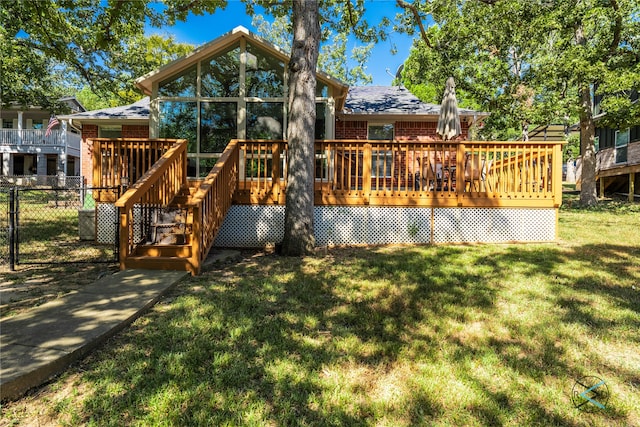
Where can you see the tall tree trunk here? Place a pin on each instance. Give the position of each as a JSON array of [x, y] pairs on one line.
[[298, 219], [588, 193]]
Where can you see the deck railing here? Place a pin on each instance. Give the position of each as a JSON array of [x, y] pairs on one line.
[[409, 173], [120, 162], [210, 203], [57, 137], [154, 190]]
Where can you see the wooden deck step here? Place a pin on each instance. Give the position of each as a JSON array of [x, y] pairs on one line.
[[160, 263], [177, 251], [181, 201]]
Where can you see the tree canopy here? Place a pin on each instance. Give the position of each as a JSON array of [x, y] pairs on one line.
[[335, 58], [51, 48], [534, 62]]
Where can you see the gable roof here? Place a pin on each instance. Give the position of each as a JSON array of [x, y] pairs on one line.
[[138, 112], [145, 83], [71, 101], [393, 100]]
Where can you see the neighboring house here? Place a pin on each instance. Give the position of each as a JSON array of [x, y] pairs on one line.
[[550, 132], [618, 157], [27, 149], [236, 87], [557, 132]]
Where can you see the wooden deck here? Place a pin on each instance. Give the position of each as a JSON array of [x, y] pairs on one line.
[[348, 173]]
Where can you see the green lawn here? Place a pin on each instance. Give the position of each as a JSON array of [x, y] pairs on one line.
[[391, 336]]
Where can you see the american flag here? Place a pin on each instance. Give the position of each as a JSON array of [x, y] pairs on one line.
[[53, 121]]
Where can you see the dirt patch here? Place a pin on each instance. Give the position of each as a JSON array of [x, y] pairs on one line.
[[31, 286]]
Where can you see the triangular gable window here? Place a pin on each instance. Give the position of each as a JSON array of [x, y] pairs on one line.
[[265, 74], [183, 85], [221, 74]]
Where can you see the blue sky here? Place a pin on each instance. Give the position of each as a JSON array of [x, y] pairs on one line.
[[201, 29]]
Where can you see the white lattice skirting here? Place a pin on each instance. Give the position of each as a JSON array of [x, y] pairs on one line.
[[256, 226]]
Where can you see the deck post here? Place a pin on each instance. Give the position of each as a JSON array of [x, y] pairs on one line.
[[275, 172], [602, 187], [460, 160], [366, 173], [97, 164], [556, 180], [632, 184], [196, 240], [123, 237]]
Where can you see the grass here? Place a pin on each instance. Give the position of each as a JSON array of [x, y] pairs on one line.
[[47, 226], [390, 336]]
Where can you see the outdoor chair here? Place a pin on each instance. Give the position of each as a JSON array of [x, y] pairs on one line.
[[476, 171], [427, 174]]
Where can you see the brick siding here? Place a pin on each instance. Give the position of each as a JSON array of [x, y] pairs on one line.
[[135, 131], [404, 131], [352, 129], [86, 168]]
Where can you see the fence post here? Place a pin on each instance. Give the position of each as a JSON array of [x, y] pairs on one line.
[[12, 228]]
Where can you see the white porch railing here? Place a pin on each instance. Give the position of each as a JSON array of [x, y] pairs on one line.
[[32, 137]]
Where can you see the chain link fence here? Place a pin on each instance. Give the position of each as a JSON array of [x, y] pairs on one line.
[[40, 181], [55, 225], [4, 225]]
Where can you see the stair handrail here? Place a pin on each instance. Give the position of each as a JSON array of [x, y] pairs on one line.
[[156, 188], [211, 202]]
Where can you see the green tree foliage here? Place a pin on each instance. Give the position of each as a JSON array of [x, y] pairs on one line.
[[89, 42], [533, 62], [28, 78], [141, 55], [335, 58]]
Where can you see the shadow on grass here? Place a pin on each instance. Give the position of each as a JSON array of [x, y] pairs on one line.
[[285, 341]]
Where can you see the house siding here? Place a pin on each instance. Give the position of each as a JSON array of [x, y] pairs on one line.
[[86, 151], [351, 129], [416, 130], [403, 130], [135, 131]]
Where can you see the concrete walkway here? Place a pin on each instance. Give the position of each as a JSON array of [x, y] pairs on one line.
[[42, 342]]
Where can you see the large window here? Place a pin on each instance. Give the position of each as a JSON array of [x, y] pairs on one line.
[[265, 120], [218, 125], [622, 142], [381, 161], [383, 131], [179, 119], [238, 92], [183, 85], [221, 74], [112, 131], [265, 74], [321, 120]]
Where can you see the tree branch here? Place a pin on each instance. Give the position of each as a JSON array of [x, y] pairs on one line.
[[416, 15], [350, 10], [617, 30]]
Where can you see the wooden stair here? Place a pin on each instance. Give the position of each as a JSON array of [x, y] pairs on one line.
[[169, 245]]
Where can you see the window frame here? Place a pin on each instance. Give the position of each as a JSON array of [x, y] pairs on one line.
[[621, 145]]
